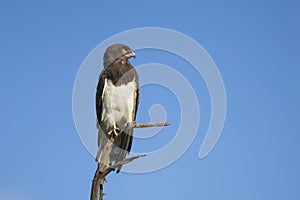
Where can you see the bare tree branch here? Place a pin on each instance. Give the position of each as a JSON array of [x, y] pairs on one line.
[[158, 124], [104, 169], [122, 162]]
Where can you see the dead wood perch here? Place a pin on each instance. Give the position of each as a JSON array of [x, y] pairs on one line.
[[159, 124], [99, 177], [102, 171]]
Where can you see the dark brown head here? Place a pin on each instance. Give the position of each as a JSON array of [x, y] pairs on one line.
[[117, 51]]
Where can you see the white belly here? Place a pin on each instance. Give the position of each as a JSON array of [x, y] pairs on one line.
[[118, 105]]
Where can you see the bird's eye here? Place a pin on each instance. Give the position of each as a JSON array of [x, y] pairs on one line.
[[124, 51]]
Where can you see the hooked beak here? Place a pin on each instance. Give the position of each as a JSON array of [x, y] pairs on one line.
[[130, 54]]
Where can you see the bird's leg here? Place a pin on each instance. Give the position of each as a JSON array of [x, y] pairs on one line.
[[116, 131], [127, 127]]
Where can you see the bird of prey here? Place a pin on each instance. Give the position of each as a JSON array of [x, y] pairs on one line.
[[117, 99]]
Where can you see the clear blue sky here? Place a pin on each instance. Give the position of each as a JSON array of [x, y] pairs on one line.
[[255, 45]]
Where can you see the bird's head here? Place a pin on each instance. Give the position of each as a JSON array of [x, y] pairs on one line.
[[115, 52]]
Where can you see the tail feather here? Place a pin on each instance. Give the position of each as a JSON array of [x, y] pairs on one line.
[[121, 147]]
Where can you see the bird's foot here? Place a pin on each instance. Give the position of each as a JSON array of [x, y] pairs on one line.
[[116, 132]]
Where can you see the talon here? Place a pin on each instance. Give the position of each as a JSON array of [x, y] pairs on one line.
[[109, 133], [117, 131]]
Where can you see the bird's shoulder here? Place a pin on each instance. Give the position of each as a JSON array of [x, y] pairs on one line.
[[119, 72]]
